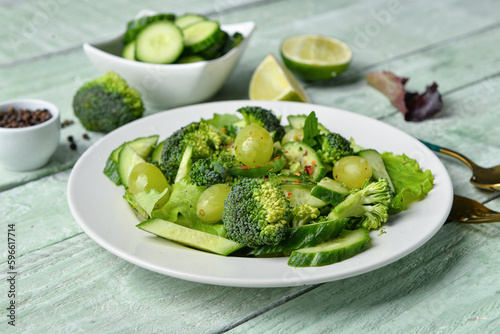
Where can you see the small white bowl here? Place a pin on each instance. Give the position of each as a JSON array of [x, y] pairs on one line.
[[170, 85], [23, 149]]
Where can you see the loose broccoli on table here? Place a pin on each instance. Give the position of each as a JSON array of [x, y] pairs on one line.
[[256, 212], [107, 103], [333, 147], [212, 170], [265, 118], [366, 207], [205, 139]]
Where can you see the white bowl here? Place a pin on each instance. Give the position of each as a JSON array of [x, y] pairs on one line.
[[170, 85], [23, 149]]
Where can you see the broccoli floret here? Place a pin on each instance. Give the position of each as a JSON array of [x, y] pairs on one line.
[[212, 170], [304, 214], [333, 147], [107, 103], [264, 118], [367, 206], [256, 212], [205, 139]]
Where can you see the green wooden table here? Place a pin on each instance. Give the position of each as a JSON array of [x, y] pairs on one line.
[[66, 283]]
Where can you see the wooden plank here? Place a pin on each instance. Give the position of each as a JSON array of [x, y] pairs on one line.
[[40, 213]]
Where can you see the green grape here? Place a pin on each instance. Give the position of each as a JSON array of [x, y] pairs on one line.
[[253, 145], [146, 177], [293, 135], [352, 171], [211, 203]]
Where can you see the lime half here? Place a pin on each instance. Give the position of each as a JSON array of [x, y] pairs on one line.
[[315, 57], [272, 81]]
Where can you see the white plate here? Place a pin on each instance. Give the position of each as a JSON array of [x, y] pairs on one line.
[[98, 207]]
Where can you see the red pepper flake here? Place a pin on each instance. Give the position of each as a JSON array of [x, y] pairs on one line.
[[277, 157], [309, 169], [271, 169], [297, 181], [244, 167], [257, 166], [289, 195], [313, 162], [298, 174], [305, 153]]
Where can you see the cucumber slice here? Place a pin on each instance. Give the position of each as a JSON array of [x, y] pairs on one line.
[[304, 236], [330, 191], [272, 166], [160, 42], [309, 160], [299, 194], [189, 237], [377, 164], [185, 165], [298, 121], [135, 26], [143, 146], [127, 159], [346, 245], [188, 19], [129, 51], [157, 152], [200, 36]]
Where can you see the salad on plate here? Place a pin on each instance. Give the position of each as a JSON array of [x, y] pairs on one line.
[[250, 184]]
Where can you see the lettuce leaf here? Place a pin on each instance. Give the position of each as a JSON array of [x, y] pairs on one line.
[[181, 208], [410, 182]]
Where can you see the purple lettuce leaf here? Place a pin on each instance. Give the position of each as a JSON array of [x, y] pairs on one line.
[[414, 106]]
